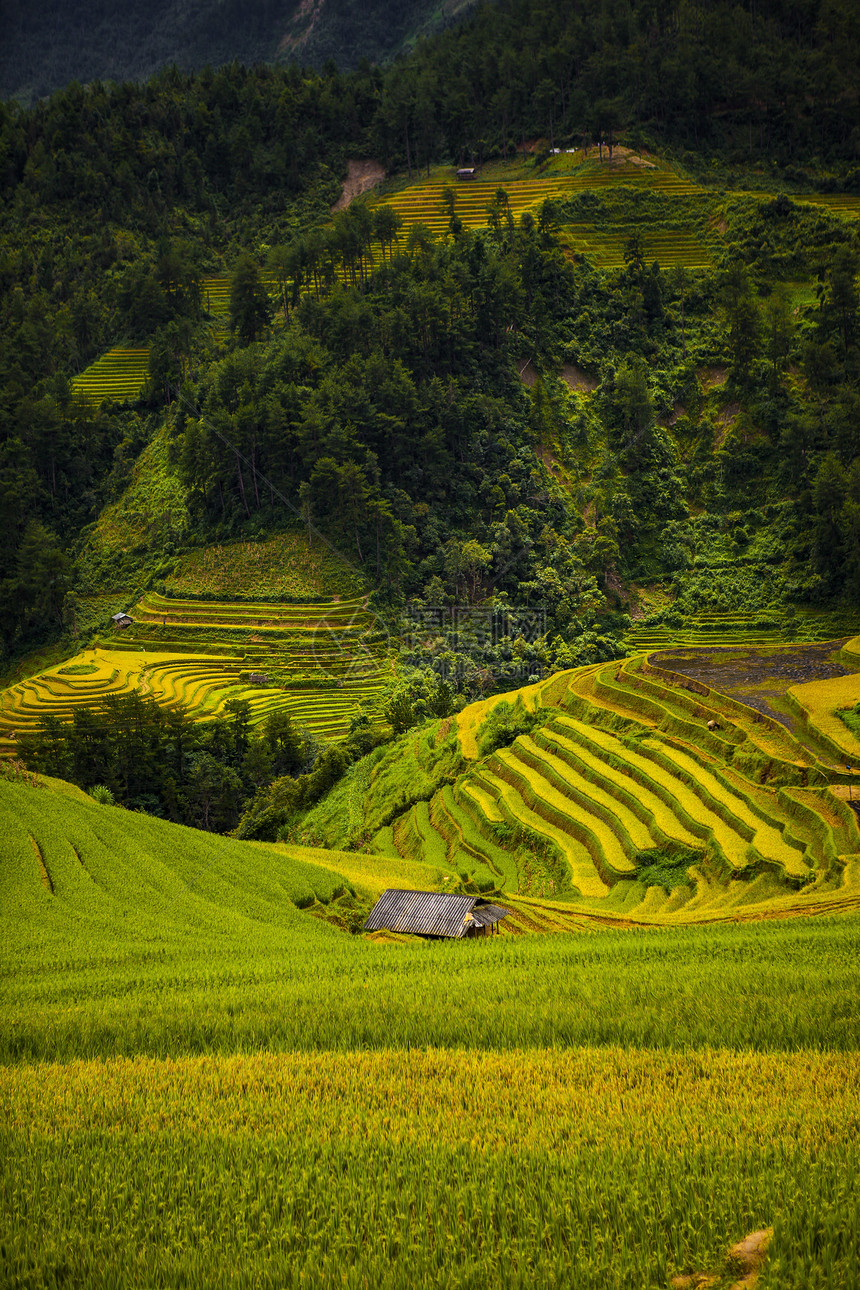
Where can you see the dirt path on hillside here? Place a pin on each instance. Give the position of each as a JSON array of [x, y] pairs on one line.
[[361, 176]]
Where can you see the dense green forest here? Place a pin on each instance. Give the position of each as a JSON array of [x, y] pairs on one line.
[[372, 385]]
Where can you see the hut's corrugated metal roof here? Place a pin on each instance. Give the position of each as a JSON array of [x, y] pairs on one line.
[[487, 914], [430, 913]]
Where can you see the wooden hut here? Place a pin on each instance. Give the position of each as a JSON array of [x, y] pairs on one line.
[[434, 913], [467, 172], [121, 620]]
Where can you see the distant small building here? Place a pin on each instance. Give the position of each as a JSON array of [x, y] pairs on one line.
[[121, 620], [258, 678], [434, 913], [467, 172]]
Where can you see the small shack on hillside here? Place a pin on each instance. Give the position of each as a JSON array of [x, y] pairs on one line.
[[434, 913], [121, 620], [467, 172]]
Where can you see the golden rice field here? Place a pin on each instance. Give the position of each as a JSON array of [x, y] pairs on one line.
[[422, 203], [592, 1167], [817, 703], [621, 771], [118, 376], [203, 1085], [320, 664]]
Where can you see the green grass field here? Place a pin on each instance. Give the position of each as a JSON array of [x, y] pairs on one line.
[[203, 1084]]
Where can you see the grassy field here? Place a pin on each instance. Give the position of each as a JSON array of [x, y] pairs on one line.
[[204, 1084], [284, 566]]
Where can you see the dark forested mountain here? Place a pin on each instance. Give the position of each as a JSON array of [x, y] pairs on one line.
[[45, 44]]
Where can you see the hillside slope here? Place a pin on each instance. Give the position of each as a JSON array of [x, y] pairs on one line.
[[626, 788], [47, 44]]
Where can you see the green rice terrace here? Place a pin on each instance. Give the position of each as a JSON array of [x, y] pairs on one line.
[[119, 376], [317, 662], [684, 231], [640, 791]]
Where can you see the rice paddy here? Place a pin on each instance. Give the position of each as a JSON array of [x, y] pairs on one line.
[[320, 663], [203, 1082], [631, 766], [119, 376]]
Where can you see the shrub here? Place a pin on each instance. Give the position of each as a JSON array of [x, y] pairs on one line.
[[503, 724]]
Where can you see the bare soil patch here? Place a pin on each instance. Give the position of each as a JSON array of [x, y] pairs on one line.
[[744, 1262], [725, 419], [361, 176], [759, 678], [622, 156], [575, 379], [528, 374], [302, 25], [711, 376], [678, 411]]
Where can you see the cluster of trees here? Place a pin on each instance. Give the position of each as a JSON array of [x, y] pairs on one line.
[[44, 47], [390, 416], [205, 774]]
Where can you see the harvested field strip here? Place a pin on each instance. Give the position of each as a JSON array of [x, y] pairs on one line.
[[765, 732], [583, 874], [544, 783]]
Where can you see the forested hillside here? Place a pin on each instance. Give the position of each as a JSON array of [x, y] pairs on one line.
[[47, 44], [494, 411]]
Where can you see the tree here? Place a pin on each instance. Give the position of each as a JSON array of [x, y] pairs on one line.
[[778, 330], [250, 309], [742, 320]]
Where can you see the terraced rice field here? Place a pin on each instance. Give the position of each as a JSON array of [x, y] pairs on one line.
[[118, 376], [755, 628], [215, 292], [622, 772], [816, 705], [605, 247], [711, 629], [838, 203], [422, 203], [322, 663]]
